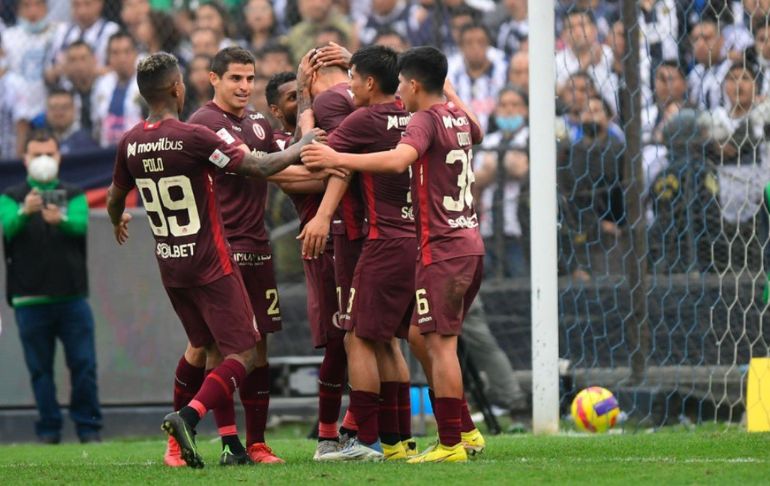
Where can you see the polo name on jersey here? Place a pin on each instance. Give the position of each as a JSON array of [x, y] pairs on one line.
[[161, 145], [165, 251]]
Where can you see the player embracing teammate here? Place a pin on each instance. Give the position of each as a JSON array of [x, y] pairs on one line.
[[437, 147], [174, 166]]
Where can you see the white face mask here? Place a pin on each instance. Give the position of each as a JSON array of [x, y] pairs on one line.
[[43, 169]]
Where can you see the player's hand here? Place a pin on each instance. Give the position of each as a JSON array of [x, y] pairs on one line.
[[51, 214], [121, 229], [305, 71], [306, 121], [332, 54], [314, 236], [317, 156], [33, 202], [449, 89]]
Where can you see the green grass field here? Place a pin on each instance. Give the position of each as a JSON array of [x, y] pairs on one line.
[[710, 456]]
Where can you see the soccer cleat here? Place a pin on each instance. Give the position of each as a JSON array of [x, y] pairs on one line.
[[344, 439], [260, 453], [228, 458], [325, 447], [473, 441], [394, 452], [410, 447], [356, 451], [175, 426], [442, 453], [173, 455]]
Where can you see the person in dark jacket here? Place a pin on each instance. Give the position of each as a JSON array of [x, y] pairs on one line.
[[44, 225]]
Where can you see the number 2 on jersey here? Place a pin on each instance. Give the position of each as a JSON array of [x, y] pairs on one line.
[[464, 180], [157, 198]]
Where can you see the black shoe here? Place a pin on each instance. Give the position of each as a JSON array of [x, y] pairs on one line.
[[49, 439], [175, 426], [228, 458], [90, 438]]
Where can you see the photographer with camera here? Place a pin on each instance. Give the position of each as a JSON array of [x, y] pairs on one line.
[[44, 234]]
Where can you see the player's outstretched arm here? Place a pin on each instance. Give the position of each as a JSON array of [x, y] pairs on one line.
[[318, 156], [316, 231], [300, 173], [116, 204], [270, 164]]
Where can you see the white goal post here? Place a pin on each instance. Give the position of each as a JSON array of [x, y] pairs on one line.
[[544, 252]]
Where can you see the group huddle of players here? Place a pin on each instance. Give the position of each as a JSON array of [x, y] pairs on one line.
[[375, 152]]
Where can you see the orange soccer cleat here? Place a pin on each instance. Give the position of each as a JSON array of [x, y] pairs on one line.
[[173, 455], [260, 453]]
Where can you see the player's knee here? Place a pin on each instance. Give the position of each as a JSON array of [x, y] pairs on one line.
[[195, 356], [248, 359]]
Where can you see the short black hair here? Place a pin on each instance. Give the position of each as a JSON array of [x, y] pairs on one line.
[[389, 32], [80, 43], [153, 74], [463, 10], [231, 55], [672, 64], [59, 91], [581, 11], [330, 29], [425, 64], [278, 80], [40, 135], [474, 26], [275, 48], [379, 62], [121, 34]]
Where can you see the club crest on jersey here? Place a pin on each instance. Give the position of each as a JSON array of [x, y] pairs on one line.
[[219, 159], [225, 136], [259, 131]]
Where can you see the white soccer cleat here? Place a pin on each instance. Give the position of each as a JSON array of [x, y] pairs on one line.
[[356, 451]]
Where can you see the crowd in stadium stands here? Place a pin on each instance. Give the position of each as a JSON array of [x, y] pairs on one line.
[[704, 64]]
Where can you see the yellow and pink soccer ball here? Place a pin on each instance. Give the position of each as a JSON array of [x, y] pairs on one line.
[[595, 409]]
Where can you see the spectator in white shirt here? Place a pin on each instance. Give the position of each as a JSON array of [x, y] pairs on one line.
[[478, 72], [117, 105], [89, 26], [80, 72], [762, 52], [585, 53], [515, 29], [26, 46], [510, 141], [705, 79], [518, 71]]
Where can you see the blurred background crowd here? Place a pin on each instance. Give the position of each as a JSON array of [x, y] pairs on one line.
[[704, 70]]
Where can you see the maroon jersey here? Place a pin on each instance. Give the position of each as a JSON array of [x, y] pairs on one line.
[[242, 200], [173, 164], [447, 225], [387, 198], [305, 204], [330, 108]]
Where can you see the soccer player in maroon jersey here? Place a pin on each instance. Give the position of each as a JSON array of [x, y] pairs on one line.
[[437, 145], [242, 202], [332, 101], [322, 307], [173, 164], [381, 299]]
